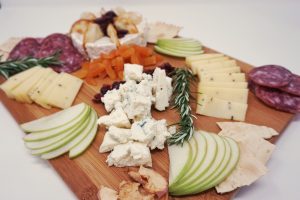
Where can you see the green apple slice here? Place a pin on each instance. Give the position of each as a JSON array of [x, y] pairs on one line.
[[57, 120], [205, 181], [90, 129], [173, 53], [219, 175], [202, 167], [42, 143], [62, 142], [178, 166], [202, 146], [85, 142]]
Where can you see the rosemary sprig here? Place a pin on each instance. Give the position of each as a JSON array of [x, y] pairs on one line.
[[182, 78], [11, 67]]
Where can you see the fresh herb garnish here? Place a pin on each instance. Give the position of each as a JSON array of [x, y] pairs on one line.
[[182, 79], [11, 67]]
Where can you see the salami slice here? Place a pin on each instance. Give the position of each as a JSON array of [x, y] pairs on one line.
[[278, 99], [294, 86], [69, 56], [271, 76], [28, 47]]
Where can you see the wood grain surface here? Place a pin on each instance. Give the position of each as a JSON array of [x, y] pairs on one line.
[[86, 173]]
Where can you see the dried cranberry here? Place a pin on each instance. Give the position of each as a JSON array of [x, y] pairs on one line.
[[168, 68], [116, 84], [104, 89], [149, 71]]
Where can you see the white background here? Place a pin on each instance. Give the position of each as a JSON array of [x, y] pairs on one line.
[[257, 32]]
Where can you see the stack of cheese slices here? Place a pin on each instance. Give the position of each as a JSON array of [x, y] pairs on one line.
[[222, 90], [43, 86]]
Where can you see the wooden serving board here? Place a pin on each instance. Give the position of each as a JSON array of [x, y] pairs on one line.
[[86, 173]]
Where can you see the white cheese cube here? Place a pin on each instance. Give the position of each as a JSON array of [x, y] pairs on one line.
[[110, 99], [130, 154], [162, 89], [116, 118], [133, 72], [161, 134], [108, 144], [121, 135], [137, 107], [140, 133], [214, 107]]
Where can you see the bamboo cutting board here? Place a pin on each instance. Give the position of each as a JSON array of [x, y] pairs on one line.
[[86, 173]]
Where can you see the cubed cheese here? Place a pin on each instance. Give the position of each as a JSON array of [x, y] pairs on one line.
[[214, 107], [110, 99], [116, 118], [229, 94], [133, 72], [130, 154]]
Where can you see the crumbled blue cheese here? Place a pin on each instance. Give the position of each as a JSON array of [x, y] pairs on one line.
[[110, 99], [137, 107], [133, 72], [162, 86], [108, 144], [116, 118], [130, 154], [121, 135]]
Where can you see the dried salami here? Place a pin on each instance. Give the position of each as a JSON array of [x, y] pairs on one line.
[[278, 99], [294, 86], [69, 56], [273, 76], [28, 47]]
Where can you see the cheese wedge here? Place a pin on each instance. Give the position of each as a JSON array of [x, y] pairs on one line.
[[241, 85], [225, 77], [17, 79], [205, 61], [64, 91], [248, 129], [21, 92], [229, 94], [214, 107], [235, 69]]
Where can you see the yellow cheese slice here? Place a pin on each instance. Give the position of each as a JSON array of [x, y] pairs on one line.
[[206, 56], [41, 82], [21, 92], [229, 94], [64, 91], [221, 70], [17, 79], [214, 107], [215, 66], [193, 64], [240, 85], [225, 77]]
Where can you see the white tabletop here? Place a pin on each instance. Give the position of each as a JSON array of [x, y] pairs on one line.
[[258, 32]]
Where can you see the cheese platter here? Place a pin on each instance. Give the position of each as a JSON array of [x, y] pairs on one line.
[[86, 170]]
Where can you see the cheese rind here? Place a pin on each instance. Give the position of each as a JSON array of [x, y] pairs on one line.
[[214, 107], [235, 95], [225, 77]]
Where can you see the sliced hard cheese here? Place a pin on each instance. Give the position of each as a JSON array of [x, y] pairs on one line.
[[221, 70], [248, 129], [215, 107], [193, 64], [215, 66], [229, 94], [64, 91], [247, 171], [21, 92], [16, 80], [206, 56], [225, 77], [48, 72], [241, 85]]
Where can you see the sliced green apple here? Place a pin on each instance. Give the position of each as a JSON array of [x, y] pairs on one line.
[[179, 166], [57, 120], [85, 142], [202, 167], [174, 53], [90, 129], [42, 135], [62, 142]]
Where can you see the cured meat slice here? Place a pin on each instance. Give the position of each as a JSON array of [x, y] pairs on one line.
[[271, 76], [294, 86], [69, 56], [28, 47], [278, 99]]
